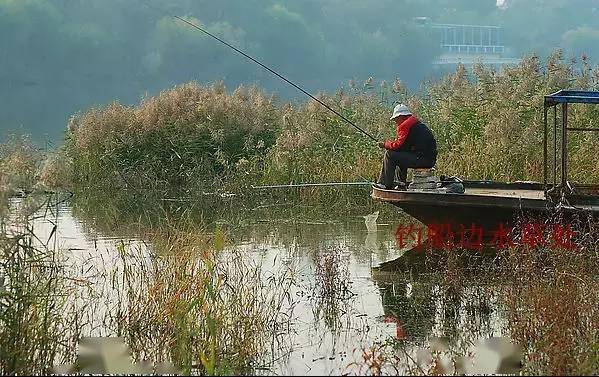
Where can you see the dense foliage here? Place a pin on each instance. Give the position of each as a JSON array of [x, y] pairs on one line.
[[190, 138], [491, 126]]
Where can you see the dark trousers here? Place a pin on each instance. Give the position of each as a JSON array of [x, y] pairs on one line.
[[402, 160]]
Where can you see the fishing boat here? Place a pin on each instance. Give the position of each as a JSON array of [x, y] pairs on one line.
[[489, 203], [483, 202]]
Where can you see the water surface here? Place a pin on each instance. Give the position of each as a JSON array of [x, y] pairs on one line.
[[329, 332]]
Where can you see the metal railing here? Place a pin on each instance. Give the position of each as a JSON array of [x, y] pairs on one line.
[[560, 137]]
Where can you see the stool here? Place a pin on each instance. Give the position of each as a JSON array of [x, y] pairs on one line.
[[424, 179], [422, 173], [419, 174]]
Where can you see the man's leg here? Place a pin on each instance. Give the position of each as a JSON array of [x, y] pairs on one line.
[[401, 171], [387, 168], [401, 174], [401, 160]]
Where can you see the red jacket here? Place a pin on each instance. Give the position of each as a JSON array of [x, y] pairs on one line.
[[402, 133]]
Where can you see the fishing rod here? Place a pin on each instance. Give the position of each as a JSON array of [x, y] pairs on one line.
[[193, 25], [314, 185]]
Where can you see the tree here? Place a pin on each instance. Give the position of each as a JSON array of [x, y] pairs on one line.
[[582, 41]]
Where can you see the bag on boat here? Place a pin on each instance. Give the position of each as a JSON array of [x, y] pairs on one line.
[[452, 185]]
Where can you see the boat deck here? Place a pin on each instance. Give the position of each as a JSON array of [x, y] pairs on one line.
[[487, 195], [484, 204], [506, 193]]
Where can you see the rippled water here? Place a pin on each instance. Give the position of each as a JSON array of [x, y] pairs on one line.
[[327, 335]]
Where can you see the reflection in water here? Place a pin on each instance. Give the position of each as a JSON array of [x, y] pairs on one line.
[[342, 306]]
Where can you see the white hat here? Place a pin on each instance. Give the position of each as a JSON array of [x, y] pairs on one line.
[[399, 110]]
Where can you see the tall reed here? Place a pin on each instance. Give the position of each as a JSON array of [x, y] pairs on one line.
[[194, 139], [206, 313], [546, 292], [177, 142], [33, 298]]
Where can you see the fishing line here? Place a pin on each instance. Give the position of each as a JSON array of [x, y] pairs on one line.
[[265, 67]]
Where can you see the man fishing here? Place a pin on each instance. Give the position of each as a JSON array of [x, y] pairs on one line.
[[414, 147]]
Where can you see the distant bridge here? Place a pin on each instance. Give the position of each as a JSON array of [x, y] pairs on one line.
[[469, 44]]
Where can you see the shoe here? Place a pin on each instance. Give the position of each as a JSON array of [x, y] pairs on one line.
[[379, 186], [401, 186]]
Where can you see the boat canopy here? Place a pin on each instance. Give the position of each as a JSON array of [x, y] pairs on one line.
[[560, 185], [572, 96]]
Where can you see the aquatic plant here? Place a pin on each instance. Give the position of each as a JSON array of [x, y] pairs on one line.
[[489, 126], [33, 297], [547, 292], [185, 304], [56, 171], [206, 313], [195, 139], [316, 146], [552, 298], [332, 290]]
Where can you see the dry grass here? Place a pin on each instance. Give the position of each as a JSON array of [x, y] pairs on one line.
[[204, 311], [178, 141], [552, 299], [316, 146], [33, 290], [332, 291], [556, 320], [488, 125], [491, 127], [19, 164], [547, 294], [56, 172]]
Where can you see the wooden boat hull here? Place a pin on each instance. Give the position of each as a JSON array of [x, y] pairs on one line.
[[485, 204]]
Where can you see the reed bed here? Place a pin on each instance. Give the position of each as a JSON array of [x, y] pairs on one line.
[[27, 168], [332, 289], [19, 165], [189, 303], [489, 126], [195, 139], [178, 158], [176, 143], [552, 303]]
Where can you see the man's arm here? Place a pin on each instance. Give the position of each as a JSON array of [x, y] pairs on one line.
[[402, 135]]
